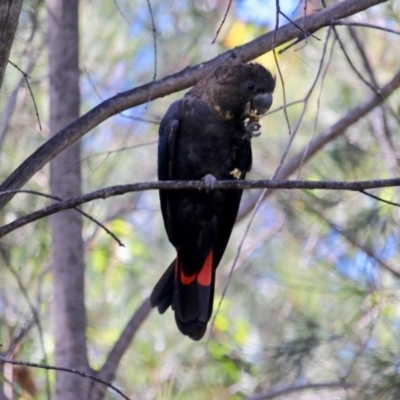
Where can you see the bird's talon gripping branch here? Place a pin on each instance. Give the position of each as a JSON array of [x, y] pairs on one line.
[[210, 181]]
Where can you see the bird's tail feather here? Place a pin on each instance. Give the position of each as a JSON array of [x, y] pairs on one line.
[[163, 293], [191, 297]]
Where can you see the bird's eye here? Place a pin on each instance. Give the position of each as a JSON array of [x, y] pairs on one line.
[[251, 86]]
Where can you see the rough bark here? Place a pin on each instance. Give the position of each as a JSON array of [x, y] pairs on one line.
[[9, 16], [69, 317]]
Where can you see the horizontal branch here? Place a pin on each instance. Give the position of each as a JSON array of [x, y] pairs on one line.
[[173, 83], [359, 186]]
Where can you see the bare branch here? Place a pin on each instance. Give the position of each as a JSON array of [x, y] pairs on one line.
[[364, 57], [222, 22], [364, 25], [107, 372], [354, 242], [301, 388], [10, 105], [153, 25], [305, 33], [351, 64], [181, 80], [111, 191], [49, 196], [26, 77], [70, 370], [122, 13], [391, 203]]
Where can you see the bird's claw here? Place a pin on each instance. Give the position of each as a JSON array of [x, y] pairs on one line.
[[253, 129], [209, 181]]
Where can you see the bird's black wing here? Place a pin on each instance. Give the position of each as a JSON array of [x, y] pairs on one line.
[[168, 135], [242, 162]]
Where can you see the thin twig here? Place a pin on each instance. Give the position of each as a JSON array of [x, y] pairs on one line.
[[59, 199], [356, 244], [12, 101], [121, 12], [277, 66], [153, 25], [364, 57], [125, 148], [94, 87], [70, 370], [319, 95], [223, 21], [351, 64], [365, 25], [391, 203], [306, 34], [30, 91], [284, 106]]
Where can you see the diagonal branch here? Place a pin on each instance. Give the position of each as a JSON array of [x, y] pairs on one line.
[[173, 83], [354, 242], [107, 371]]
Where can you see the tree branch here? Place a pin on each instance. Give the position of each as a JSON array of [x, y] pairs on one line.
[[364, 25], [357, 186], [107, 372], [173, 83], [310, 386], [70, 370]]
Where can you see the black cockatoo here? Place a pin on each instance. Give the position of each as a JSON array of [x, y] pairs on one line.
[[204, 136]]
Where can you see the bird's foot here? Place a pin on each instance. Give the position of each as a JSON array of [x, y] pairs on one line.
[[209, 181], [252, 129]]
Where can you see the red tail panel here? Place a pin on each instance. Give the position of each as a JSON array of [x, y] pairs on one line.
[[192, 296], [204, 277]]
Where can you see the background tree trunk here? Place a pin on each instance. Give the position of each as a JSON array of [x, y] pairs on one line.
[[9, 16], [69, 316]]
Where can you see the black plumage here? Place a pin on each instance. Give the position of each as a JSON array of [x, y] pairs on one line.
[[204, 136]]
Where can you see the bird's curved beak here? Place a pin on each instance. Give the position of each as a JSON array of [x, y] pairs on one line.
[[261, 103]]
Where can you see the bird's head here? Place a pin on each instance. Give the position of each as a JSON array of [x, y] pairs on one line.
[[235, 91]]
